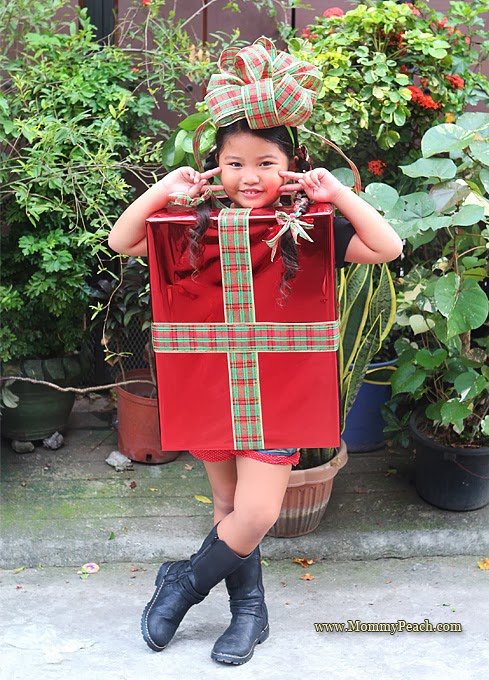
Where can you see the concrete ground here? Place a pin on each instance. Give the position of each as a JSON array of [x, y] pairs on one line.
[[381, 554], [55, 625]]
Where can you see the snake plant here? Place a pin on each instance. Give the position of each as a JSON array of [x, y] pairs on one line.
[[367, 305]]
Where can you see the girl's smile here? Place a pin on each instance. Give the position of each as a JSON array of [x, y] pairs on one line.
[[250, 169]]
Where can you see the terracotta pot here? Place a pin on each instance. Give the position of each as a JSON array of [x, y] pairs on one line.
[[306, 497], [138, 423]]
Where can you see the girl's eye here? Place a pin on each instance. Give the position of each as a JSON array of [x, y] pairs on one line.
[[267, 163], [235, 164]]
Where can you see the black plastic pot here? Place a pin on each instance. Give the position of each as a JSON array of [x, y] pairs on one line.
[[447, 477], [41, 410]]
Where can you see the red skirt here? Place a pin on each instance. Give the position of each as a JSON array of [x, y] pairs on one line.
[[271, 456]]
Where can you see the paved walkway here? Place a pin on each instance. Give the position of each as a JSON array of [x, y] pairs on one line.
[[55, 625], [61, 509], [68, 507]]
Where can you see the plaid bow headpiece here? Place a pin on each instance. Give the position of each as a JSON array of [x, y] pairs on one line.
[[266, 86]]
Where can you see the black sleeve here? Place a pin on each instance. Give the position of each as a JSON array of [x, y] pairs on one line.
[[343, 231]]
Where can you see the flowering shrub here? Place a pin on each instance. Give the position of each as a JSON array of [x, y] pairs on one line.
[[391, 71]]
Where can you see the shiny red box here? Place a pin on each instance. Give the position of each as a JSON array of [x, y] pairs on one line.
[[298, 397]]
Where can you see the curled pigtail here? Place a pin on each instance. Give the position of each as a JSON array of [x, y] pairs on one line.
[[195, 234], [290, 261], [288, 247]]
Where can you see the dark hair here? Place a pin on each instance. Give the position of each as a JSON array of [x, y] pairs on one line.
[[281, 137]]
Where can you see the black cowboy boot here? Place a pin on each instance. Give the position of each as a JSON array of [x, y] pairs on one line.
[[181, 584], [249, 623]]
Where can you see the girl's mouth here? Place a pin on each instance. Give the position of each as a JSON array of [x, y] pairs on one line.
[[251, 193]]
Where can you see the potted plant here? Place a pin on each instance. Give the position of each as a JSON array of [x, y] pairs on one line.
[[68, 114], [442, 380], [391, 71], [123, 307], [366, 316]]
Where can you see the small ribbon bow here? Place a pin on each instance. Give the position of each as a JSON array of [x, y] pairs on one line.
[[186, 201], [288, 221]]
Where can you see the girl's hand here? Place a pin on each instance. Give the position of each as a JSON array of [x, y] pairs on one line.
[[188, 181], [319, 184]]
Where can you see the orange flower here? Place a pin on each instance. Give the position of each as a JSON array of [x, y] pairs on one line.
[[424, 100], [456, 81], [377, 167]]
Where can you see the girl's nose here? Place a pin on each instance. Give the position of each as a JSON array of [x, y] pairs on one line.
[[250, 177]]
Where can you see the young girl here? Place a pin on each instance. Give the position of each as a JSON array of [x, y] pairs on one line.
[[257, 168]]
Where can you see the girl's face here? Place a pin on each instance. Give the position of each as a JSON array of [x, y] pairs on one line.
[[249, 170]]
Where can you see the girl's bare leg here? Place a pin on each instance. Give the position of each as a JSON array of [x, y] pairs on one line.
[[258, 498], [222, 477]]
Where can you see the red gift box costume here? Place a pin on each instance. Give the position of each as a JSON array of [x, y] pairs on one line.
[[257, 375]]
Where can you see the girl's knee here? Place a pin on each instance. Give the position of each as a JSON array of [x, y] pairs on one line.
[[224, 501], [258, 520]]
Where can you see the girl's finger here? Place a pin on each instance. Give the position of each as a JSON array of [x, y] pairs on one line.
[[289, 188], [213, 187], [289, 174], [210, 173]]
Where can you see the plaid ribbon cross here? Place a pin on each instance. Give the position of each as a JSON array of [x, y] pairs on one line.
[[240, 336]]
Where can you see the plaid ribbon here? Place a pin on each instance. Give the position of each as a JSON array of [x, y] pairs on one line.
[[266, 86], [187, 202], [288, 221], [240, 336], [246, 337]]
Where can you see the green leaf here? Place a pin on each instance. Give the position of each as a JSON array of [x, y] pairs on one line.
[[419, 324], [473, 120], [428, 359], [469, 385], [188, 143], [480, 151], [462, 302], [485, 425], [484, 178], [345, 175], [445, 138], [468, 215], [381, 196], [193, 121], [449, 194], [453, 412], [407, 378], [441, 168]]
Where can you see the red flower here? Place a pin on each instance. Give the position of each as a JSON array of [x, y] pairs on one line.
[[442, 22], [146, 2], [135, 70], [306, 33], [333, 12], [424, 100], [404, 69], [456, 81], [377, 167]]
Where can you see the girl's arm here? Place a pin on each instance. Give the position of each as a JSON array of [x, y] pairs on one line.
[[375, 241], [128, 235]]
